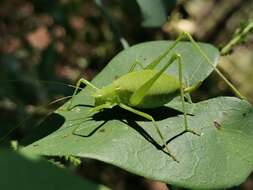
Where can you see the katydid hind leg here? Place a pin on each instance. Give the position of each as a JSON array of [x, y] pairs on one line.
[[196, 46], [156, 61], [150, 118], [135, 63], [138, 95], [79, 82], [186, 35]]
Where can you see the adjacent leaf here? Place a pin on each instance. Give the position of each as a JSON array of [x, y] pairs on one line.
[[155, 12], [112, 24], [18, 172]]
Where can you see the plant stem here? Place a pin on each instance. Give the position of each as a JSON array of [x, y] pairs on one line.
[[237, 39]]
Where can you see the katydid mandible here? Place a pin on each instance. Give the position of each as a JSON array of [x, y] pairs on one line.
[[148, 88]]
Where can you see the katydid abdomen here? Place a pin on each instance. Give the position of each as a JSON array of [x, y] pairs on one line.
[[164, 89]]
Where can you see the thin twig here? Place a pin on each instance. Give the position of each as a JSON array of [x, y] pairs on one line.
[[237, 39]]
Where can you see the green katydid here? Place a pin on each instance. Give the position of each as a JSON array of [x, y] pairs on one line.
[[148, 88]]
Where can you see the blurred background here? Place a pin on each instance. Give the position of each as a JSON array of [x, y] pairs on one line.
[[45, 44]]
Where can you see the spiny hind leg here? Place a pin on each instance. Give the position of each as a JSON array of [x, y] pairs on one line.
[[78, 84], [135, 63], [150, 118], [204, 55], [185, 35], [137, 97]]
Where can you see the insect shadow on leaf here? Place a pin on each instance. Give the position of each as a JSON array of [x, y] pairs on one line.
[[50, 124], [130, 119]]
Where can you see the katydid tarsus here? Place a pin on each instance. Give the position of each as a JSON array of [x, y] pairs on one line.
[[149, 88]]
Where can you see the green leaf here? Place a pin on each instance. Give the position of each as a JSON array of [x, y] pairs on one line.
[[18, 172], [221, 157], [154, 12]]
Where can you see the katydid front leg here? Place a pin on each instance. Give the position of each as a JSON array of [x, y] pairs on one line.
[[137, 97], [79, 82]]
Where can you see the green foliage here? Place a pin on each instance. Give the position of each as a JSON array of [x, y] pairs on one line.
[[153, 13], [37, 174], [124, 140], [239, 37]]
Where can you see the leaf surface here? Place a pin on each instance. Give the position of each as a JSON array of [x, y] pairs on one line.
[[220, 158]]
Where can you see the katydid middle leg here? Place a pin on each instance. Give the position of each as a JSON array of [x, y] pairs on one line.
[[182, 94], [140, 93], [150, 118]]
